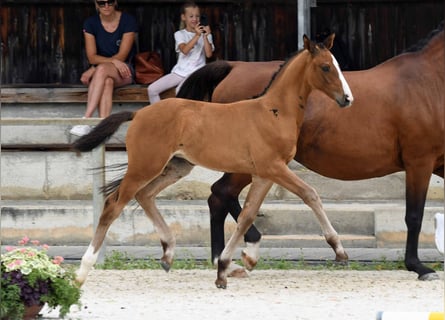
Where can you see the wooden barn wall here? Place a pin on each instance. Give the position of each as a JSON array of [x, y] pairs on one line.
[[42, 41], [370, 32]]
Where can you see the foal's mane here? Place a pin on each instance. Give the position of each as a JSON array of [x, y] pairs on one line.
[[423, 42], [282, 66]]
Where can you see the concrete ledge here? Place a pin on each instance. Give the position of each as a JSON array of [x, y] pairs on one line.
[[283, 223]]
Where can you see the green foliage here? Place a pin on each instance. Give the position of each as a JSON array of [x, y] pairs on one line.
[[30, 277], [123, 261], [11, 305], [64, 293]]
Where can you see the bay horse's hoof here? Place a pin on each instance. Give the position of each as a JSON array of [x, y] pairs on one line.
[[238, 273], [221, 284], [429, 276], [248, 261], [166, 266]]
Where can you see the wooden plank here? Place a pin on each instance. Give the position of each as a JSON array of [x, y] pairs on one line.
[[132, 93]]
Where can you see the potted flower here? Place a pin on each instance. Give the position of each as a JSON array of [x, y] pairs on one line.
[[30, 278]]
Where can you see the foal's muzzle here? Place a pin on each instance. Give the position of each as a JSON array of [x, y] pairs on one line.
[[344, 101]]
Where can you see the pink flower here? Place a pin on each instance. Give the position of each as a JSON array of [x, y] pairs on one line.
[[23, 250], [9, 248], [31, 253], [15, 263], [45, 246], [35, 242], [58, 260], [24, 240]]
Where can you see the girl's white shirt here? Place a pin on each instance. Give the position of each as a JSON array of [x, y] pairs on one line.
[[195, 59]]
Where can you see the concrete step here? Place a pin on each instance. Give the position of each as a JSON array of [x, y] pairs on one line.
[[283, 223]]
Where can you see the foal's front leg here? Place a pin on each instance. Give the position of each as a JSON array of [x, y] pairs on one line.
[[255, 197], [175, 170], [289, 180]]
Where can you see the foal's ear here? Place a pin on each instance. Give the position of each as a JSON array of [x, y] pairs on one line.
[[329, 41], [308, 44]]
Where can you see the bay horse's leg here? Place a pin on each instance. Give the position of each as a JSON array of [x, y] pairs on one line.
[[289, 180], [255, 196], [176, 169], [224, 199], [417, 181], [114, 204]]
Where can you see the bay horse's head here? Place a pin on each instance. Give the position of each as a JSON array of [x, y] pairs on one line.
[[325, 72]]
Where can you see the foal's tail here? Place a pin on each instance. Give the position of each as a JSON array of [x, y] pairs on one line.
[[103, 131], [201, 83]]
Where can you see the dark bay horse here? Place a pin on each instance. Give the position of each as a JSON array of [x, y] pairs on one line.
[[256, 136], [396, 124]]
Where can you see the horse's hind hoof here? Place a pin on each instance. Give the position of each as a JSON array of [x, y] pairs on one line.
[[166, 266], [248, 261], [238, 273], [221, 284], [429, 276], [342, 263]]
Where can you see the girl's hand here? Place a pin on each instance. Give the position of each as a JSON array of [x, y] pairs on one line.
[[87, 75], [200, 29], [206, 29]]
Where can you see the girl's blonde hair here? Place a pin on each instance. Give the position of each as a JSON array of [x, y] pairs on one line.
[[186, 5]]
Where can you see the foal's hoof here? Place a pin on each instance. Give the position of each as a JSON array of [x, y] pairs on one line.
[[342, 258], [429, 276], [166, 266], [248, 261], [221, 284]]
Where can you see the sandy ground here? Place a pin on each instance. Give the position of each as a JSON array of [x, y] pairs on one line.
[[290, 294]]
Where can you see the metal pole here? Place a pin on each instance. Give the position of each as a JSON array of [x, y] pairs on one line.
[[304, 19], [98, 159]]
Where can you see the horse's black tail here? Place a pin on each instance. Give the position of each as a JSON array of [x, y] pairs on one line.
[[201, 83], [103, 131]]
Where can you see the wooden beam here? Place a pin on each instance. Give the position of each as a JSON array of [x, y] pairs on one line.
[[72, 94]]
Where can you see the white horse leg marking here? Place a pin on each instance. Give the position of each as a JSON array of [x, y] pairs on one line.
[[251, 254], [88, 261]]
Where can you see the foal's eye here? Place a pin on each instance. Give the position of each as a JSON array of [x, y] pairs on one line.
[[325, 68]]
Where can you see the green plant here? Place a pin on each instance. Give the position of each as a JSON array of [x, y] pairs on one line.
[[30, 277]]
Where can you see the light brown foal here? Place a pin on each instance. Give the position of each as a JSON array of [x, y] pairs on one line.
[[258, 136]]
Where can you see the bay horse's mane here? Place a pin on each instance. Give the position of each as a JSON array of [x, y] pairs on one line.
[[423, 42]]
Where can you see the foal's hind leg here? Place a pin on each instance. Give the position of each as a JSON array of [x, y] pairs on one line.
[[113, 207], [255, 197], [175, 170], [289, 180]]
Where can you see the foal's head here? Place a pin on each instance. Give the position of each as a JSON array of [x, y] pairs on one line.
[[325, 72]]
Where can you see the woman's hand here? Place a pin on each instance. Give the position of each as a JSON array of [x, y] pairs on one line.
[[87, 75], [122, 68]]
